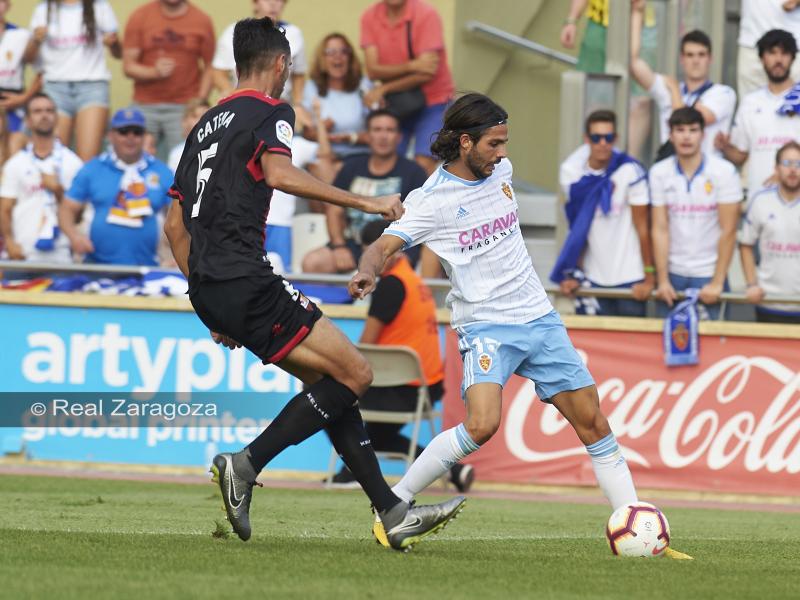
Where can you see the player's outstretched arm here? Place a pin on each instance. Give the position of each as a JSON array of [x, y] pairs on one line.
[[371, 265], [281, 174], [178, 237]]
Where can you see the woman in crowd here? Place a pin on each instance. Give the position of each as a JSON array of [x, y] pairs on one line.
[[69, 40], [337, 84]]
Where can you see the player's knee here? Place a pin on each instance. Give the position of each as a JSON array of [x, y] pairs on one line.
[[360, 376], [481, 429]]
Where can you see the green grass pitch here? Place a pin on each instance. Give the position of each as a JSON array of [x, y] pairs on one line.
[[82, 538]]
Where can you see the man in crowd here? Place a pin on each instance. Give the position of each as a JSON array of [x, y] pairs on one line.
[[757, 18], [167, 52], [402, 313], [33, 185], [695, 199], [773, 222], [608, 209], [379, 173], [127, 188], [715, 101], [767, 118]]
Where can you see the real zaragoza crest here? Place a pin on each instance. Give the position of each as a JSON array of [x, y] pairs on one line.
[[485, 362], [680, 337], [508, 191]]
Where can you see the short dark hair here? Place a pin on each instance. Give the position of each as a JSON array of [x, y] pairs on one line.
[[36, 96], [686, 115], [696, 37], [600, 116], [777, 38], [787, 146], [472, 114], [372, 231], [381, 112], [256, 44]]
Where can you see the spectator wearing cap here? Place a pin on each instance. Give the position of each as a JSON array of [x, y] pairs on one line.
[[127, 188], [403, 44]]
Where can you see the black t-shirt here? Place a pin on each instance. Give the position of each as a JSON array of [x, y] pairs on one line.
[[221, 185], [355, 177], [387, 299]]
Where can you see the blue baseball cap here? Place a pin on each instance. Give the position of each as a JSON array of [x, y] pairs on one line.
[[127, 117]]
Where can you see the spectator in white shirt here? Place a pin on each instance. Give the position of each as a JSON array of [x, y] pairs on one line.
[[716, 102], [757, 18], [773, 222], [617, 251], [33, 185], [69, 41], [762, 125], [695, 198]]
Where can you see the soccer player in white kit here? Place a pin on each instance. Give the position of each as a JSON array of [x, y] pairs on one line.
[[466, 213]]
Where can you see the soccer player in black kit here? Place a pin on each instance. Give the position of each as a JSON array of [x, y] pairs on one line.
[[233, 159]]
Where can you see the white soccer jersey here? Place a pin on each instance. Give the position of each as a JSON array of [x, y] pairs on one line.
[[719, 99], [66, 54], [35, 211], [692, 210], [774, 224], [12, 47], [224, 60], [761, 131], [759, 16], [474, 229], [613, 254]]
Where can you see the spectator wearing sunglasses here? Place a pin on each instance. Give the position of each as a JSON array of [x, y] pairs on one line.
[[607, 204], [126, 188], [773, 222]]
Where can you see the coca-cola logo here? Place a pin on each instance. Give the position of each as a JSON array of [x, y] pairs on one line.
[[740, 408]]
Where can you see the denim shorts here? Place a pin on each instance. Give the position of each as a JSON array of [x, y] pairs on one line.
[[539, 350], [73, 96]]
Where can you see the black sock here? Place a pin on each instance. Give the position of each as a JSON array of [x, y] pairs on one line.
[[305, 414], [352, 443]]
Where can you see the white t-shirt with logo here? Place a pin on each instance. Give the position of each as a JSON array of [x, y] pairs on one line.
[[775, 225], [692, 209], [761, 131], [225, 61], [12, 46], [66, 54], [760, 16], [35, 209], [613, 254], [473, 227], [719, 99]]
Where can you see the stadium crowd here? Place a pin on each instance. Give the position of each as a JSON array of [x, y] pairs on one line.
[[81, 184]]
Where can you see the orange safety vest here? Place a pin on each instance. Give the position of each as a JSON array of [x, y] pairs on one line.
[[415, 324]]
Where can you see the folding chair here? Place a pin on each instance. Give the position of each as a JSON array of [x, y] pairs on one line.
[[393, 366]]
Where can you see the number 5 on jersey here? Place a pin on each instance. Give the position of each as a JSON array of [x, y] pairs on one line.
[[203, 173]]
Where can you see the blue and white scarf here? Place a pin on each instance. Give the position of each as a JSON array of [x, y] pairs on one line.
[[681, 339]]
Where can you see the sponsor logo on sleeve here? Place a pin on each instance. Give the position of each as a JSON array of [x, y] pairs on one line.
[[284, 132]]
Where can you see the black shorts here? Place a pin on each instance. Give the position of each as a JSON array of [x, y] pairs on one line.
[[264, 314]]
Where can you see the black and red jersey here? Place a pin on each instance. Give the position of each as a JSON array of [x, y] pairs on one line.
[[221, 186]]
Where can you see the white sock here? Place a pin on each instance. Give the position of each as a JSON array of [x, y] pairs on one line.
[[445, 450], [612, 472]]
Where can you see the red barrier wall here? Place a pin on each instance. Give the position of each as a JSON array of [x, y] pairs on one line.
[[731, 423]]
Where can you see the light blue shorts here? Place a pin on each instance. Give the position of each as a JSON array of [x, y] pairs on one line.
[[540, 351], [73, 96]]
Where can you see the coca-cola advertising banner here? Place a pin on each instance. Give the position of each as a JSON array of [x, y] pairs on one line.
[[730, 423]]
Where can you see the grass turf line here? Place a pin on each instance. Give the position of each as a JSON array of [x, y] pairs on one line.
[[81, 538]]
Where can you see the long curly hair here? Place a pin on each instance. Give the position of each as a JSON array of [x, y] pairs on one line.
[[472, 114], [89, 22], [352, 80]]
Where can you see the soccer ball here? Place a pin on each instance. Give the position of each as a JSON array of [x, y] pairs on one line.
[[638, 529]]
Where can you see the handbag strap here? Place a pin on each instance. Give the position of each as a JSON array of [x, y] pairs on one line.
[[408, 40]]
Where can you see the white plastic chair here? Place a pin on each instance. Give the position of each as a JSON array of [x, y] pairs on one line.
[[309, 231]]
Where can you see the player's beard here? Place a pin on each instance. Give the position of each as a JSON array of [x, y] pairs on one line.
[[780, 78], [477, 165]]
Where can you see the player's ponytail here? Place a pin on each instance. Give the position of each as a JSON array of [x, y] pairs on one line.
[[472, 114]]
